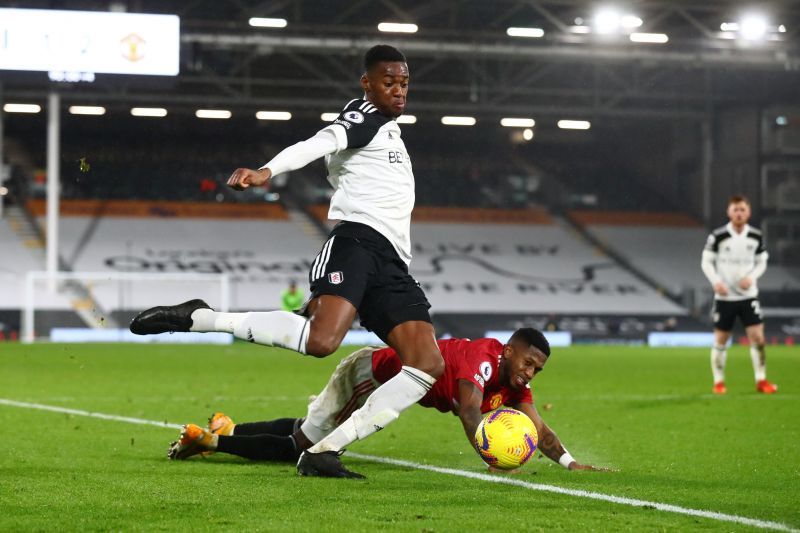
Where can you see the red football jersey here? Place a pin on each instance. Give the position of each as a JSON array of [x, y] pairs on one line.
[[475, 361]]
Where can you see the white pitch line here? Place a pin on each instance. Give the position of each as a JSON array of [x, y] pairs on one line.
[[763, 524], [80, 412], [621, 500]]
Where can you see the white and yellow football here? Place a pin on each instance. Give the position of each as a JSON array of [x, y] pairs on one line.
[[506, 438]]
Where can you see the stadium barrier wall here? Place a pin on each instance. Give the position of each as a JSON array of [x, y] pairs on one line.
[[124, 335]]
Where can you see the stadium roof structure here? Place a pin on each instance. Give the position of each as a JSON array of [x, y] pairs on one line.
[[462, 58]]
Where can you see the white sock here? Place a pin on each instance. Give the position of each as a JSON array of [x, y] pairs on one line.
[[381, 408], [718, 358], [759, 362], [272, 328]]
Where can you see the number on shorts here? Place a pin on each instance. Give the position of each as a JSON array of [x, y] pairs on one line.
[[757, 308]]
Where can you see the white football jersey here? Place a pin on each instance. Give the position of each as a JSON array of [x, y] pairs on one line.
[[730, 256], [371, 174]]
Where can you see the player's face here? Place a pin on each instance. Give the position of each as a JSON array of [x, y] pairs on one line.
[[739, 213], [520, 364], [386, 86]]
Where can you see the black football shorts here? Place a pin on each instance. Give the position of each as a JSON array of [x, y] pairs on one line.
[[724, 313], [359, 264]]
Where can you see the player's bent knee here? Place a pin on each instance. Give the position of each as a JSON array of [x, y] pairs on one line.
[[432, 365], [322, 345]]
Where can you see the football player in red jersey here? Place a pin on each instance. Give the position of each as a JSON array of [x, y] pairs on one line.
[[480, 376]]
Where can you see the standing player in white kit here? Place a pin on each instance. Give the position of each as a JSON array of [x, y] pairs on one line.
[[733, 259]]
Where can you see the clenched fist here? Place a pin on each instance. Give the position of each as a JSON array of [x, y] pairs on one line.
[[242, 178]]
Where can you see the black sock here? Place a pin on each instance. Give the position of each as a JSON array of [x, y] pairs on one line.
[[282, 427], [260, 447]]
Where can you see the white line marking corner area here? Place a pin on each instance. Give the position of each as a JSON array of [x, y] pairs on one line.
[[621, 500]]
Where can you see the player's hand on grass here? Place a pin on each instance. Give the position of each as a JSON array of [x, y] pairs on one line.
[[242, 178], [745, 283], [720, 288], [575, 465]]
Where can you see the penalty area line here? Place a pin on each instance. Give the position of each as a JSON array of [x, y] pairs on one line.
[[621, 500]]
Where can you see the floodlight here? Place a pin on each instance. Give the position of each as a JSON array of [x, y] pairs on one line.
[[273, 115], [213, 113], [260, 22], [657, 38], [527, 134], [328, 117], [397, 27], [606, 21], [574, 124], [148, 112], [406, 119], [630, 21], [458, 121], [517, 122], [525, 32], [22, 108], [87, 110], [753, 27]]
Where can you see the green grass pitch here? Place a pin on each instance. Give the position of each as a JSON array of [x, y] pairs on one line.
[[646, 412]]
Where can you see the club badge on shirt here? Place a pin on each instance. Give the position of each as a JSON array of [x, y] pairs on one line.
[[335, 278]]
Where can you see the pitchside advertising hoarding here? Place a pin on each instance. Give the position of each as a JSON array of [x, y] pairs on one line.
[[89, 42]]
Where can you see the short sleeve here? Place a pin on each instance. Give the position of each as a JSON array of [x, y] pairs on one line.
[[360, 121], [711, 244], [480, 362]]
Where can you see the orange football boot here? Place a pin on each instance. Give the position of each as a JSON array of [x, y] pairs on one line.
[[765, 387], [193, 440], [220, 424]]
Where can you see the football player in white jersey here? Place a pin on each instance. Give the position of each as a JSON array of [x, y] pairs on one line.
[[362, 268], [733, 259]]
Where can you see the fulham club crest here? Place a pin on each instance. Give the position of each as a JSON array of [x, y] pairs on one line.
[[335, 278]]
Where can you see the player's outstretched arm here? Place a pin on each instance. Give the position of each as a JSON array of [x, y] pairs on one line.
[[243, 178], [549, 443], [470, 398], [296, 156]]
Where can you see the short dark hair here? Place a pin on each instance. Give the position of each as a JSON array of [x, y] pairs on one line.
[[738, 198], [382, 52], [532, 337]]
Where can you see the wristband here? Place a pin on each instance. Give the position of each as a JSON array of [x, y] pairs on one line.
[[565, 460]]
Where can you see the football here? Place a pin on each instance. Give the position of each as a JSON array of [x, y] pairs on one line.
[[506, 438]]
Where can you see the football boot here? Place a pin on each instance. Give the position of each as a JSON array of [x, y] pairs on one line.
[[166, 318]]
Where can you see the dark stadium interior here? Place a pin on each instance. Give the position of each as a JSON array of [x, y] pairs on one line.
[[675, 128]]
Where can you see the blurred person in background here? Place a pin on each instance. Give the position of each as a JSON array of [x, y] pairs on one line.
[[733, 259], [292, 297]]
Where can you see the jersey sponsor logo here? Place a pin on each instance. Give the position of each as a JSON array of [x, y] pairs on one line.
[[344, 123], [354, 116], [396, 157], [486, 370], [335, 278], [496, 401]]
